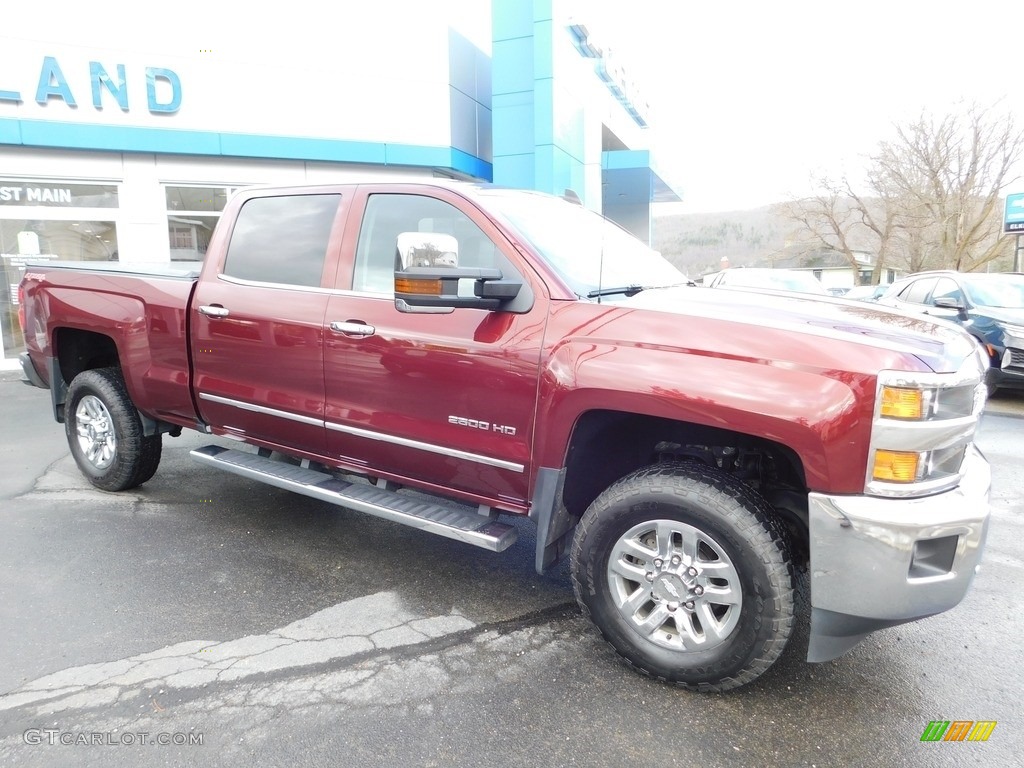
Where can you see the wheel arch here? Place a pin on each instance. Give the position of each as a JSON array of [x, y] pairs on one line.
[[606, 445], [77, 350]]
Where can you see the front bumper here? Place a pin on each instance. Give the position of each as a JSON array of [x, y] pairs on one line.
[[879, 562]]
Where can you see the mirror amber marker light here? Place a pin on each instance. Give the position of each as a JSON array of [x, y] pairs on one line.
[[417, 286]]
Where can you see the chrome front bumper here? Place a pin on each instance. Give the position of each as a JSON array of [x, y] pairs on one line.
[[878, 562]]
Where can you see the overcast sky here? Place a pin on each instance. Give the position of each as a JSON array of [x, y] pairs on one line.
[[750, 98]]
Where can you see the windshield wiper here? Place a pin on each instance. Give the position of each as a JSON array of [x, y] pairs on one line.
[[687, 283], [632, 290], [628, 290]]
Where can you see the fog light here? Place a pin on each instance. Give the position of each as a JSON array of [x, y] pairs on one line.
[[897, 466]]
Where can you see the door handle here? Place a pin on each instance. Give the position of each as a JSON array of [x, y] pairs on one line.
[[353, 328], [213, 311]]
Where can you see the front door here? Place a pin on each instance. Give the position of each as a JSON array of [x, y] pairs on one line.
[[445, 400]]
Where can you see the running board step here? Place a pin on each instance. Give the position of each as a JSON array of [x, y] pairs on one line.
[[469, 527]]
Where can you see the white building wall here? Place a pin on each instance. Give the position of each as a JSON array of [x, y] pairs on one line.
[[373, 72]]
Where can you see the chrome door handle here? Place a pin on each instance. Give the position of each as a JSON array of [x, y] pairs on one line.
[[212, 311], [352, 328]]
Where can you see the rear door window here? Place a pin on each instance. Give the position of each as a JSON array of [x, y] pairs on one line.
[[282, 239]]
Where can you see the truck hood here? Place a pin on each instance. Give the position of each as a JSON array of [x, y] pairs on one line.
[[941, 346]]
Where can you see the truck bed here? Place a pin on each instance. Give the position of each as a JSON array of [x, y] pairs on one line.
[[141, 308], [176, 271]]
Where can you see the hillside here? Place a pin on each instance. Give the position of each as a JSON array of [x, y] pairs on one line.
[[697, 242]]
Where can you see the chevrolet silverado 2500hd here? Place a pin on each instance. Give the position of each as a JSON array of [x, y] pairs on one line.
[[512, 353]]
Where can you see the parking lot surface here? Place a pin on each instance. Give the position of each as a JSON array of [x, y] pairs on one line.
[[278, 630]]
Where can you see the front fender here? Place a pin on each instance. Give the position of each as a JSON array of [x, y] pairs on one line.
[[823, 416]]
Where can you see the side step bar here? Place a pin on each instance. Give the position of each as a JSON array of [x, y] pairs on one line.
[[457, 524]]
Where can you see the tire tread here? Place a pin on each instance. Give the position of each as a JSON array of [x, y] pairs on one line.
[[138, 456], [751, 515]]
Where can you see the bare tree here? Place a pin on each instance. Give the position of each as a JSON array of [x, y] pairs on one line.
[[841, 220], [932, 195]]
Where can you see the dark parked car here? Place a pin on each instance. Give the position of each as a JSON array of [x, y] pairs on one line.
[[990, 306]]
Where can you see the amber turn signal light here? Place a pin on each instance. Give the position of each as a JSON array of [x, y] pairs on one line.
[[417, 286], [896, 466], [902, 403]]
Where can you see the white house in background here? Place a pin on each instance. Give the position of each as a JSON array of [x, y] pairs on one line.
[[834, 269]]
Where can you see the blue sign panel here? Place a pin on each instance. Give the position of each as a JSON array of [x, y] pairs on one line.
[[1013, 219]]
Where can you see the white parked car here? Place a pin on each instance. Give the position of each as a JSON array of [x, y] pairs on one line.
[[769, 279]]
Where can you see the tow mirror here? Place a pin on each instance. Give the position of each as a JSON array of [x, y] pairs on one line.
[[429, 280], [426, 249]]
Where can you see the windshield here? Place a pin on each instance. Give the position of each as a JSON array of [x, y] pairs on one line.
[[590, 252], [1006, 291]]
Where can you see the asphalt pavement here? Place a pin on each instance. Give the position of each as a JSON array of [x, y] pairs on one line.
[[245, 625]]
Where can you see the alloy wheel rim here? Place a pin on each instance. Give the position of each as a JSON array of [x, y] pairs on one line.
[[95, 429], [675, 585]]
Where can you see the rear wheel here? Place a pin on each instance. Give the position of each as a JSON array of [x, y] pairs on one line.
[[105, 432], [685, 572]]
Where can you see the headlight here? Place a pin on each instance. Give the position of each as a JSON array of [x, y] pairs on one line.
[[922, 426]]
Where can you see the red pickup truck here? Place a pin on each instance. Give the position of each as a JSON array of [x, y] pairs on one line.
[[443, 354]]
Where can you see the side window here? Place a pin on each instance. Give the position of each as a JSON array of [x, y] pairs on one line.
[[946, 289], [282, 239], [918, 291], [387, 217]]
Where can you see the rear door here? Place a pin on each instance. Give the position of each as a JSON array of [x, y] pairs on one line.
[[445, 400], [257, 325]]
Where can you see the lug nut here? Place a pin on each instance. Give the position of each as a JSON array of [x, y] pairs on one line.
[[672, 606], [698, 590], [689, 605], [658, 562], [650, 576], [676, 559], [691, 571]]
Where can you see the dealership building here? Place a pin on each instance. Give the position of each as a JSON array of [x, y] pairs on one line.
[[120, 141]]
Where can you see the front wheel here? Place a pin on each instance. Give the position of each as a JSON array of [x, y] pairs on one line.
[[105, 432], [685, 572]]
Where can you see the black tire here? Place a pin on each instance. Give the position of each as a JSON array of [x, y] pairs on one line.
[[105, 433], [719, 573]]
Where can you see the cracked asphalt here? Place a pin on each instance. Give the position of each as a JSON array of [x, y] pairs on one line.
[[278, 630]]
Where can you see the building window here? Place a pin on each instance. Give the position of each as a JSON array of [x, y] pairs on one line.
[[192, 213], [45, 220], [50, 194]]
